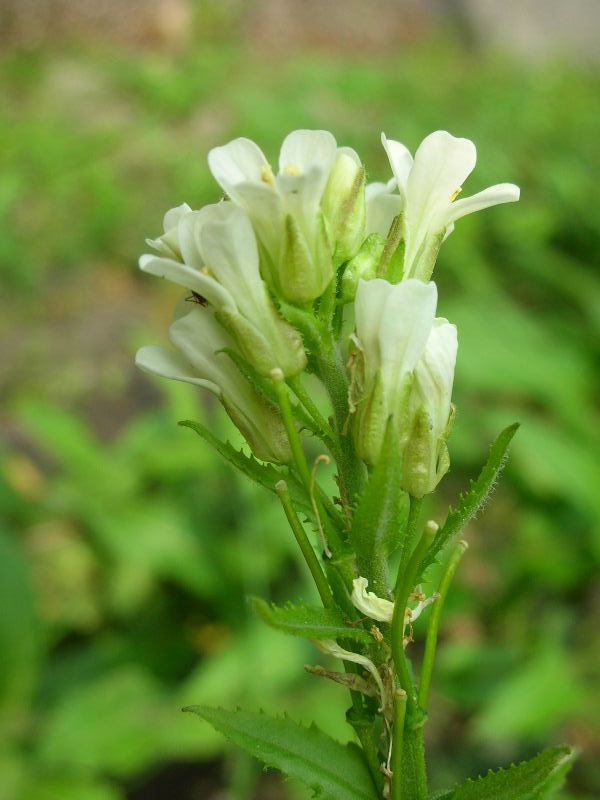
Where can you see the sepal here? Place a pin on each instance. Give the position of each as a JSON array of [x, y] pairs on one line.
[[363, 266]]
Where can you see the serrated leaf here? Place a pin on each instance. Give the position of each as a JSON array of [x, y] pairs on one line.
[[380, 518], [265, 475], [308, 622], [332, 770], [536, 779], [474, 499]]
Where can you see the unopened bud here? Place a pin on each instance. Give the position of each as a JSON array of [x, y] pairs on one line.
[[363, 266], [344, 206]]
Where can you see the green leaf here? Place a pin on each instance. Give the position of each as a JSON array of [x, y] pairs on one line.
[[332, 770], [310, 623], [20, 637], [531, 780], [265, 475], [474, 499], [380, 518]]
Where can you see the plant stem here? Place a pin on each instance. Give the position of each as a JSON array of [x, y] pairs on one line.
[[305, 546], [416, 504], [300, 391], [301, 464], [434, 622], [398, 743], [415, 766], [332, 373]]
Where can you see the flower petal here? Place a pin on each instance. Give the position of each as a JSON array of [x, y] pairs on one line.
[[304, 150], [382, 207], [170, 364], [238, 161], [406, 322], [189, 278], [492, 196], [174, 215], [369, 604], [400, 160], [230, 251], [434, 374]]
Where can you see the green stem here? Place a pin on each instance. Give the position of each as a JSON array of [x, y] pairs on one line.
[[434, 622], [414, 772], [301, 464], [416, 504], [300, 391], [332, 373], [398, 743], [305, 546]]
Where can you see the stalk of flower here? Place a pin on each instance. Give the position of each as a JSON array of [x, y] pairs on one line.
[[213, 252], [298, 241], [199, 359], [428, 187]]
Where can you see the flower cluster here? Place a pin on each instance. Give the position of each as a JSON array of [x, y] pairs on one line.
[[312, 240]]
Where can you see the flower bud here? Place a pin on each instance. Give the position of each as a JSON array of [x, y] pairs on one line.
[[362, 266], [304, 272], [426, 458], [344, 206]]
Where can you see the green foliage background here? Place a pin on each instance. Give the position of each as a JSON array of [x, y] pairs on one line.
[[127, 548]]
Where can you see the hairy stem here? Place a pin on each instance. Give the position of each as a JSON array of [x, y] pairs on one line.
[[413, 771], [398, 743], [305, 546], [331, 535], [332, 373]]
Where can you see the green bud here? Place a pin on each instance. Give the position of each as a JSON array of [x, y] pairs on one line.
[[304, 273], [344, 207], [362, 266]]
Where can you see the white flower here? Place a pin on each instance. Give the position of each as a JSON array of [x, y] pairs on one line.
[[284, 208], [369, 604], [426, 458], [427, 190], [383, 205], [198, 359], [393, 323], [168, 244], [214, 254]]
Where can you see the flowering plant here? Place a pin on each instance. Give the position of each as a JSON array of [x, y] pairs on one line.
[[310, 274]]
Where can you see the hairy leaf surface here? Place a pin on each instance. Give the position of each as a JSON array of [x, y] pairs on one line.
[[474, 498], [308, 622], [332, 770]]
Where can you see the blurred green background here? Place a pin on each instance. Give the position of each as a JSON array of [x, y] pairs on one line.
[[126, 547]]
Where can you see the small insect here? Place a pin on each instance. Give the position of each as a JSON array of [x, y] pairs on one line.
[[197, 298]]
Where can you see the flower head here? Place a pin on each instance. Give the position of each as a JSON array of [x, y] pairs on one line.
[[285, 208]]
